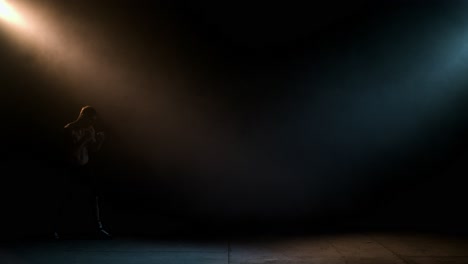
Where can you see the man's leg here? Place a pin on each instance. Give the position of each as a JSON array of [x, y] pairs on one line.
[[95, 185], [101, 230]]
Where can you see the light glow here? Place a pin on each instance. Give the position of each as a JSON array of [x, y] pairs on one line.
[[8, 14]]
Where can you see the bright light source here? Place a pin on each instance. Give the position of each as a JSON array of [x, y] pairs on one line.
[[8, 14]]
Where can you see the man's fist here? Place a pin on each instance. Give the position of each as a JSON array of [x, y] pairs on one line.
[[100, 135]]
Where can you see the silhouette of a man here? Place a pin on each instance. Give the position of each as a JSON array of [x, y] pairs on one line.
[[81, 139]]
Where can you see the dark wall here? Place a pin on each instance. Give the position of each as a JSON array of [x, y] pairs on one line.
[[346, 114]]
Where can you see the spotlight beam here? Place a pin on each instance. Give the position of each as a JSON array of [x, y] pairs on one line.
[[9, 14]]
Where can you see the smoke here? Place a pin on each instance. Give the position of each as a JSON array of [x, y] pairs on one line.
[[142, 91], [143, 88]]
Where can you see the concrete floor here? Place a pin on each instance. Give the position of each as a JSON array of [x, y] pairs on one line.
[[332, 249]]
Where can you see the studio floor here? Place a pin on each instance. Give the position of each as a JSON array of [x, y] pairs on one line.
[[334, 249]]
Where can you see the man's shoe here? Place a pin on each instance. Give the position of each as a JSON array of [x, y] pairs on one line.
[[103, 234]]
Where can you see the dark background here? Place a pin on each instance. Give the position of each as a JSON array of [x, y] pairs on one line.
[[226, 117]]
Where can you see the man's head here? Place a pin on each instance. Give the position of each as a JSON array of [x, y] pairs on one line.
[[88, 114]]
